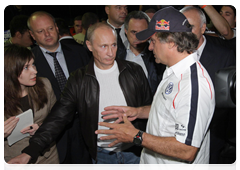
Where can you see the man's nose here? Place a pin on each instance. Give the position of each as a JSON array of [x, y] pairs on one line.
[[150, 46], [47, 33], [110, 51], [123, 10]]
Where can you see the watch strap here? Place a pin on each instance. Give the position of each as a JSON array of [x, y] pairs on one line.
[[138, 137]]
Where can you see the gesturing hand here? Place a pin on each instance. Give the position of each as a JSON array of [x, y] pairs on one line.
[[121, 132], [112, 112]]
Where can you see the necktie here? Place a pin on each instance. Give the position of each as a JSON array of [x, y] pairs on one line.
[[58, 71], [119, 41]]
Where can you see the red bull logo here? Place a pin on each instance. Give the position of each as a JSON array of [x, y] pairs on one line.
[[162, 25]]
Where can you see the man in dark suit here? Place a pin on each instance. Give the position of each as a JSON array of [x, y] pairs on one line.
[[137, 51], [116, 16], [68, 40], [44, 31], [213, 57]]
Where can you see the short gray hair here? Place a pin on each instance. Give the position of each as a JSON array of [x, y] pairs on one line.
[[200, 12], [91, 29], [39, 13]]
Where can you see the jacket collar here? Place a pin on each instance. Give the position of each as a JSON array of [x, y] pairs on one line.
[[146, 51]]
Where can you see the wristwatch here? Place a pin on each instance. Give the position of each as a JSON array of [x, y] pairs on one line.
[[138, 138]]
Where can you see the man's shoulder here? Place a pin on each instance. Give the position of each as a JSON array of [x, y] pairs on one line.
[[80, 72], [72, 47], [133, 68], [68, 41], [36, 50], [216, 48], [217, 51], [127, 63]]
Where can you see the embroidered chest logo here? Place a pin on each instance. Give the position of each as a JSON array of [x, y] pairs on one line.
[[162, 25], [169, 88]]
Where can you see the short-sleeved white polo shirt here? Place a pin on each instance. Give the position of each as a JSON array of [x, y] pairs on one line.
[[183, 107]]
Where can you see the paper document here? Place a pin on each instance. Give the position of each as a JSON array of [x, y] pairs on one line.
[[25, 120]]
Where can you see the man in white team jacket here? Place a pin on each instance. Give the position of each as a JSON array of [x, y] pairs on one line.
[[183, 106]]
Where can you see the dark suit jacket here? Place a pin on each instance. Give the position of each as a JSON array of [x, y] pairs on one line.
[[70, 146], [230, 44], [70, 42], [215, 57], [75, 58], [155, 71]]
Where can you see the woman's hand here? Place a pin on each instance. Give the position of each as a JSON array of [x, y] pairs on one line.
[[30, 129], [9, 125]]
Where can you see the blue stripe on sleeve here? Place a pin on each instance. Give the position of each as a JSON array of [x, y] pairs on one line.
[[194, 104]]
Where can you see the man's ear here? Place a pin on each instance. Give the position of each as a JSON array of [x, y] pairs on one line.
[[171, 45], [89, 45], [31, 33], [125, 31], [18, 35], [107, 10], [57, 28], [236, 18], [203, 28]]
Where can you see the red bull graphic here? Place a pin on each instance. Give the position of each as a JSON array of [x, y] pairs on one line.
[[162, 25]]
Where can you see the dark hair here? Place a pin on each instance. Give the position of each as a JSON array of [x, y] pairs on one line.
[[150, 10], [18, 24], [185, 41], [232, 7], [15, 57], [78, 18], [88, 19], [62, 26], [135, 15]]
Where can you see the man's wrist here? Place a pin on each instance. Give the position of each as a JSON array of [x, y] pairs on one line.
[[33, 150], [137, 140], [203, 6], [138, 111]]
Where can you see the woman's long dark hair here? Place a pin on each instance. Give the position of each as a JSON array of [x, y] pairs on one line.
[[15, 57]]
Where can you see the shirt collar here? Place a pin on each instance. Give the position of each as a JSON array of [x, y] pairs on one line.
[[59, 49], [128, 46], [66, 37], [129, 50], [178, 68], [200, 49], [122, 27]]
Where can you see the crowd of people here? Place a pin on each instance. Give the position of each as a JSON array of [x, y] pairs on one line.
[[138, 87]]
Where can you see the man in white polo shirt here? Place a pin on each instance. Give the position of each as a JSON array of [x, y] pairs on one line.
[[183, 106]]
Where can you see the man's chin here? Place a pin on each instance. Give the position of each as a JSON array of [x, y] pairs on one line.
[[157, 61]]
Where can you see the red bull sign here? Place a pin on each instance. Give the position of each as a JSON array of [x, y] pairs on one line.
[[162, 25]]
